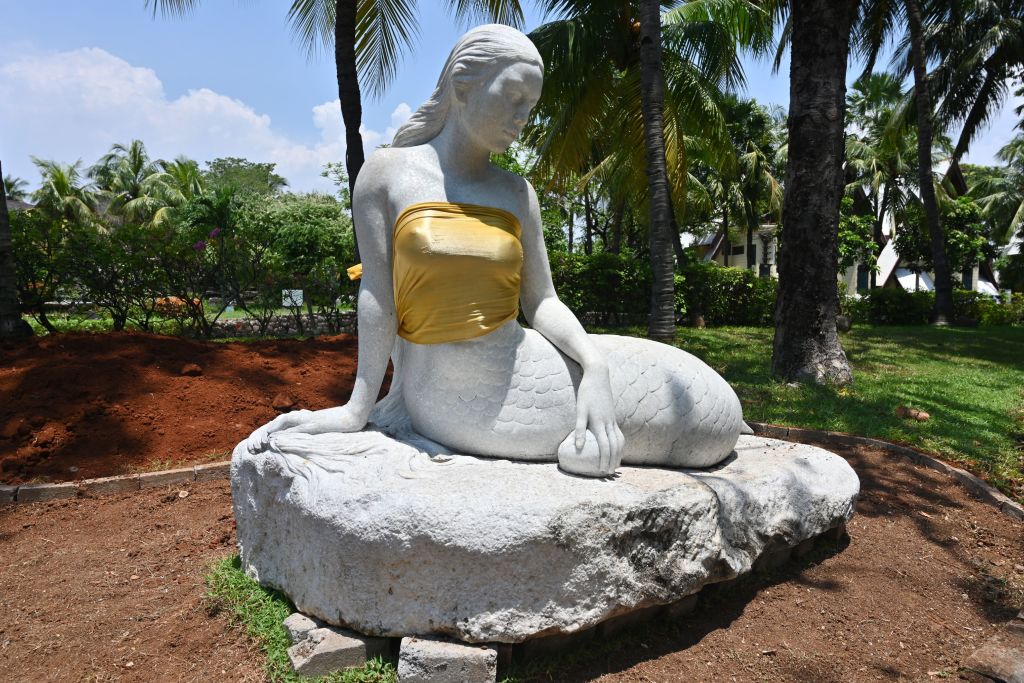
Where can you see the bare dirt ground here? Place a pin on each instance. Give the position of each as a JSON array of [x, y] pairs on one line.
[[110, 589], [78, 406]]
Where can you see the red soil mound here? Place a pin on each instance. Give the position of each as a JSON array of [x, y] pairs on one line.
[[80, 406]]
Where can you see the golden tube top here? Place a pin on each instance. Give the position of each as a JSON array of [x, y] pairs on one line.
[[456, 270]]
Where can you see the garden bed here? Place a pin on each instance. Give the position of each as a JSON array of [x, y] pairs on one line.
[[78, 406], [111, 588]]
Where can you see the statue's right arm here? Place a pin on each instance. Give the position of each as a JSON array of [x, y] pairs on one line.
[[377, 319]]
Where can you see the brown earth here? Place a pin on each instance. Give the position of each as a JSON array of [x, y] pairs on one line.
[[109, 589], [79, 406]]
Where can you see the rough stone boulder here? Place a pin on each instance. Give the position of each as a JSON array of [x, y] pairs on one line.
[[375, 536]]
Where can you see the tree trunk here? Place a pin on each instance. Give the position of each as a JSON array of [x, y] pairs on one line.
[[751, 259], [616, 229], [877, 231], [662, 323], [571, 236], [11, 324], [943, 312], [348, 92], [806, 346], [588, 216]]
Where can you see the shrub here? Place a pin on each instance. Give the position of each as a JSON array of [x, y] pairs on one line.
[[728, 296]]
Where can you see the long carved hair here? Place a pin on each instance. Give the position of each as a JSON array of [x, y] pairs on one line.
[[472, 60]]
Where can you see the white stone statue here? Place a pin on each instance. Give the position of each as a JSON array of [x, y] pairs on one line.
[[444, 275]]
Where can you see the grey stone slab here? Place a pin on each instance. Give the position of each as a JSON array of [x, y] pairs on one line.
[[167, 477], [1001, 657], [498, 551], [437, 660], [35, 493], [327, 650], [105, 485], [214, 470], [8, 494], [299, 626]]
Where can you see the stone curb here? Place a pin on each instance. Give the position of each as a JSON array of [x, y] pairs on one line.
[[125, 483], [975, 485], [32, 493]]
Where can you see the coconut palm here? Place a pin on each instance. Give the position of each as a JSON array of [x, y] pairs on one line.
[[368, 39], [880, 156], [121, 176], [616, 72], [11, 324], [806, 344], [1002, 197], [64, 194], [174, 185], [15, 188]]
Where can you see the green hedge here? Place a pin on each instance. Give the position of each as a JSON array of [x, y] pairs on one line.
[[607, 288], [893, 306]]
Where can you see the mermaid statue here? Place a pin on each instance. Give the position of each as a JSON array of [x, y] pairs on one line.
[[453, 250]]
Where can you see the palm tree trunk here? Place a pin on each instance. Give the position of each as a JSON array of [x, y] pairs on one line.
[[619, 217], [11, 324], [588, 215], [662, 323], [943, 312], [877, 229], [348, 92], [806, 345]]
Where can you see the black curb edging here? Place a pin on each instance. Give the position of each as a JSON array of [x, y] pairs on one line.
[[975, 485], [33, 493]]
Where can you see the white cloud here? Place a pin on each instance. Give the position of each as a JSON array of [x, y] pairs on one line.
[[75, 104]]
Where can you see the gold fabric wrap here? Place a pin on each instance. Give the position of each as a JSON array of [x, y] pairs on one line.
[[456, 270]]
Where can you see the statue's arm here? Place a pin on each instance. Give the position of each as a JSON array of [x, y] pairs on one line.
[[553, 319], [377, 320]]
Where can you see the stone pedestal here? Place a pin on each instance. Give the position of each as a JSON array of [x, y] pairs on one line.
[[375, 536]]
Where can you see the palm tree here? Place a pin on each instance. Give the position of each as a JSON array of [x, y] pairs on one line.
[[63, 194], [926, 187], [806, 345], [980, 51], [174, 185], [15, 188], [880, 155], [1002, 196], [368, 39], [602, 94], [121, 177], [11, 324]]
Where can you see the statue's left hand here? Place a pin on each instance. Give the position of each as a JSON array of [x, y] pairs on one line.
[[595, 412], [341, 419]]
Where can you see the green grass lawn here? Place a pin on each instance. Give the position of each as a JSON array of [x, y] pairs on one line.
[[971, 382]]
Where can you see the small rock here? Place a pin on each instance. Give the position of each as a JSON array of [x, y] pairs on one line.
[[47, 436], [843, 323], [283, 402], [326, 650], [907, 413], [182, 494], [191, 370], [435, 660], [298, 626], [1019, 568]]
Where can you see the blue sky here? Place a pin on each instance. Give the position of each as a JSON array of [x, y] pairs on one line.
[[229, 80]]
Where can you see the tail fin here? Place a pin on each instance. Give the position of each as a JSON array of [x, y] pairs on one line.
[[745, 429]]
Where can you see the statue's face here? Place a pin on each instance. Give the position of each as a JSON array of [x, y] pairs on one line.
[[495, 110]]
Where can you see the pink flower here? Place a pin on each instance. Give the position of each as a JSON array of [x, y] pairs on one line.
[[214, 232], [199, 246]]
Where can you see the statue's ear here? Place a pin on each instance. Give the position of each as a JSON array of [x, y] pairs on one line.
[[461, 88]]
